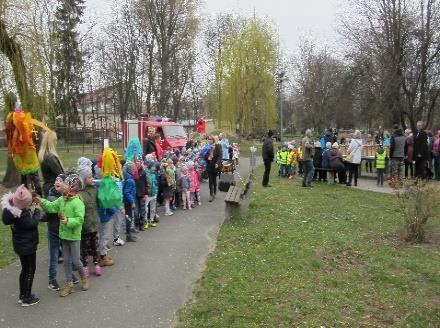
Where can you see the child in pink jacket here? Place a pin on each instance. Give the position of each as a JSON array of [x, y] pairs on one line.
[[195, 185]]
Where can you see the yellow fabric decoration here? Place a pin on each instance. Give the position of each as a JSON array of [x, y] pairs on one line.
[[19, 129], [110, 163]]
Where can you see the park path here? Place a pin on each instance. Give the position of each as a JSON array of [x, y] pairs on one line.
[[150, 281]]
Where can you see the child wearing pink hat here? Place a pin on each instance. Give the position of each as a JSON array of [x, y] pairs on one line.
[[24, 228]]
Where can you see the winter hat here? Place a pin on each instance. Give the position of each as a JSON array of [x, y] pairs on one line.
[[335, 145], [129, 167], [61, 177], [328, 145], [22, 198], [74, 182], [83, 161], [317, 144], [84, 172]]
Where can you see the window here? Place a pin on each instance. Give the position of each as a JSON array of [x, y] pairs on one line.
[[174, 131]]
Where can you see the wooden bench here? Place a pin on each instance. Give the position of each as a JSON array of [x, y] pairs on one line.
[[237, 200], [233, 196]]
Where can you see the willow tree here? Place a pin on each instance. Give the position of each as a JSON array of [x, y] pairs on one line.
[[246, 74]]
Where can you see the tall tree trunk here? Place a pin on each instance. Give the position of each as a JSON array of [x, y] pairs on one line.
[[12, 50]]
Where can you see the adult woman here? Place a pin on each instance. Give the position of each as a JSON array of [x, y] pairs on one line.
[[336, 163], [50, 162], [51, 168], [213, 161], [355, 150]]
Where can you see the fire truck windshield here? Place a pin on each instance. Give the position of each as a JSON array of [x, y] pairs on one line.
[[174, 131]]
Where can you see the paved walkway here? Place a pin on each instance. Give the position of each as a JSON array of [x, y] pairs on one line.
[[150, 281]]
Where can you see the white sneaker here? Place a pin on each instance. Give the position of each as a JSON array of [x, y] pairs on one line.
[[169, 214], [119, 242]]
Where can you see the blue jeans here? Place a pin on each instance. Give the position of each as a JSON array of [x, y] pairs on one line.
[[54, 246], [309, 170]]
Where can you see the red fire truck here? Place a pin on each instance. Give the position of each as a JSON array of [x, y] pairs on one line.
[[172, 134]]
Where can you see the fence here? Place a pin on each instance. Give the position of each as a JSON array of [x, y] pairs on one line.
[[88, 137]]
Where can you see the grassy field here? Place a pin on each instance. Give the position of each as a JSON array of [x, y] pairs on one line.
[[322, 257]]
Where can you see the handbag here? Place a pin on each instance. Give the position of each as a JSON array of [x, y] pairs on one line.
[[349, 157]]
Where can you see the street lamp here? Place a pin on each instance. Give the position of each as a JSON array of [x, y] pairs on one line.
[[281, 79]]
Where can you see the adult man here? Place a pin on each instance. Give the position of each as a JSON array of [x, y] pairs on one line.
[[267, 157], [309, 170], [420, 151], [397, 151]]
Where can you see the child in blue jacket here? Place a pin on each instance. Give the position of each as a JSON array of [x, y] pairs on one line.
[[129, 197]]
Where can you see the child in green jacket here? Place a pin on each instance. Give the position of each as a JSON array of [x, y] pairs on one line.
[[70, 209]]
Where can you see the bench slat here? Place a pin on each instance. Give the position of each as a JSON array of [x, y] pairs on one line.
[[233, 196]]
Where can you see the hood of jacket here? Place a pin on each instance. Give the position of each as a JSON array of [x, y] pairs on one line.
[[6, 203]]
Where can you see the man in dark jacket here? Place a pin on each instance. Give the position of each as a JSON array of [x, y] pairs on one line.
[[267, 157], [420, 151], [397, 152]]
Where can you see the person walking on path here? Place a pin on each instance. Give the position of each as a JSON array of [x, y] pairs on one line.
[[355, 150], [308, 147], [267, 157], [24, 228], [213, 162], [420, 151]]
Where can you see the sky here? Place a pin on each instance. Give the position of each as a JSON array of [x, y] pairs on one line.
[[295, 19]]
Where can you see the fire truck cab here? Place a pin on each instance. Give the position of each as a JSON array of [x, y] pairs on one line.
[[172, 134]]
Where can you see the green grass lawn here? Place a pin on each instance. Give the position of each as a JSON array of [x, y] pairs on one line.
[[323, 257]]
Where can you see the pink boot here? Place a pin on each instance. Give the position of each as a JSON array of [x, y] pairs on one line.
[[86, 271], [98, 270]]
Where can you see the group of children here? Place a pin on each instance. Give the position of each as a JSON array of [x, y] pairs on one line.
[[288, 159], [290, 164], [86, 207]]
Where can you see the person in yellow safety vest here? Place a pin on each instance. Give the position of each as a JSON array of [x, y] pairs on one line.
[[380, 164], [292, 161], [278, 160], [300, 162], [283, 161]]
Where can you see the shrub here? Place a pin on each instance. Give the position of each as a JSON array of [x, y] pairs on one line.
[[419, 200]]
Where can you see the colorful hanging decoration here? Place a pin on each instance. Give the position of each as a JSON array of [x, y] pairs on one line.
[[134, 149], [19, 130], [110, 164]]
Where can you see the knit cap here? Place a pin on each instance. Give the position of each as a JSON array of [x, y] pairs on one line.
[[84, 172], [22, 198], [328, 145], [335, 145], [61, 177], [83, 161], [74, 182], [129, 167], [317, 144]]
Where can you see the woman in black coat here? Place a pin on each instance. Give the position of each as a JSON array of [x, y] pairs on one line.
[[24, 228], [213, 161]]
